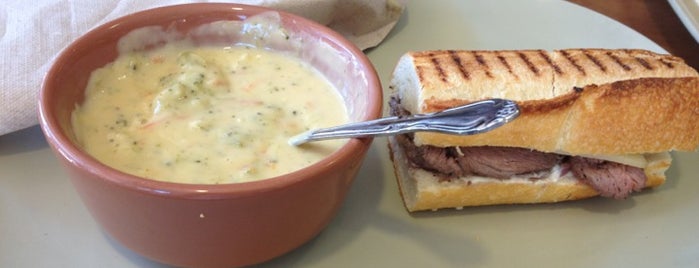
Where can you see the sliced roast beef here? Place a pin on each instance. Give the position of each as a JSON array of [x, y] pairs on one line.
[[505, 162], [435, 159], [610, 179], [494, 162]]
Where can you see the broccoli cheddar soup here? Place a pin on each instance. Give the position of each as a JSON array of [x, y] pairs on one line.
[[206, 114]]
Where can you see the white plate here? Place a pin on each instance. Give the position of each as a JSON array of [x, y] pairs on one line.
[[688, 11], [43, 223]]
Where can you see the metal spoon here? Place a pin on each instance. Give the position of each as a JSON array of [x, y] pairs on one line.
[[468, 119]]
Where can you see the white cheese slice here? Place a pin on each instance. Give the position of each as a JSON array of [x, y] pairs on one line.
[[635, 160]]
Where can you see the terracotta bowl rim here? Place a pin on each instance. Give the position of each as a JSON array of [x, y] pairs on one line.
[[81, 160]]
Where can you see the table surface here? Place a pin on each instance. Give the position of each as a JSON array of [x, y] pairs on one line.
[[655, 19]]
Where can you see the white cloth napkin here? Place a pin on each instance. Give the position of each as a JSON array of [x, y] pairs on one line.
[[33, 32]]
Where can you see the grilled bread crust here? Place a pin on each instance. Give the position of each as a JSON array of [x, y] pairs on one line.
[[574, 101], [422, 190]]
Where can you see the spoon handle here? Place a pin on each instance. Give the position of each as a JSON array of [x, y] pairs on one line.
[[473, 118]]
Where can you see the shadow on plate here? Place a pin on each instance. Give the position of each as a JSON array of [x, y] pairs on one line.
[[21, 141], [135, 259]]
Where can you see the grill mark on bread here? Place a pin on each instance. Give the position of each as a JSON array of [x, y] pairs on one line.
[[482, 63], [667, 63], [462, 69], [528, 62], [553, 65], [640, 58], [507, 65], [573, 62], [618, 61], [595, 60], [438, 67], [420, 70], [644, 63]]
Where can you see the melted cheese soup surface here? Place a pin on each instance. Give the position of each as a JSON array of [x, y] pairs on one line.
[[206, 115]]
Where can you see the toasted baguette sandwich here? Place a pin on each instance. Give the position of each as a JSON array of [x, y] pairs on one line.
[[592, 122]]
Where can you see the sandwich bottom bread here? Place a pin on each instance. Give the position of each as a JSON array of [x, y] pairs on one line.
[[592, 122]]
